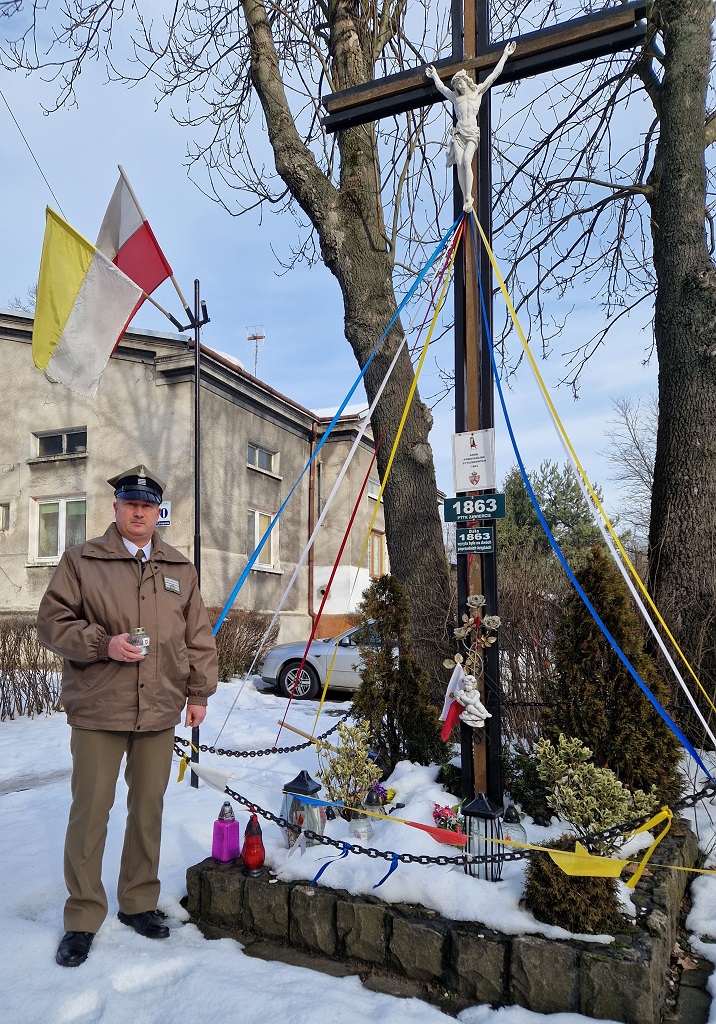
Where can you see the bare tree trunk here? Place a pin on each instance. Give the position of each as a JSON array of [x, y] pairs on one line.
[[681, 539], [353, 240]]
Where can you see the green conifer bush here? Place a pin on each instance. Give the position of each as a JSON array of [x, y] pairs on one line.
[[594, 698], [520, 774], [394, 695], [588, 906]]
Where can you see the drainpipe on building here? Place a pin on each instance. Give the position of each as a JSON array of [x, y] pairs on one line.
[[311, 520]]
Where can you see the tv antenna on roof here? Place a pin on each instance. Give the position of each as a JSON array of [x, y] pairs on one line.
[[256, 334]]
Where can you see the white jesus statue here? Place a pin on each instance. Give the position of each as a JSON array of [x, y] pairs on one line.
[[466, 97]]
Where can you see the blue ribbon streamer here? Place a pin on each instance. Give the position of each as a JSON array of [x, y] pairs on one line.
[[393, 865], [346, 851], [314, 801], [555, 546], [250, 564]]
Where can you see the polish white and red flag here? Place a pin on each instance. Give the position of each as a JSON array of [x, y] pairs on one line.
[[126, 238], [452, 707]]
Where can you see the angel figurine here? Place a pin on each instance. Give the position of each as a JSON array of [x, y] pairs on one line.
[[475, 711]]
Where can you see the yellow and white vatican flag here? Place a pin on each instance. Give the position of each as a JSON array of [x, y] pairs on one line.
[[84, 303]]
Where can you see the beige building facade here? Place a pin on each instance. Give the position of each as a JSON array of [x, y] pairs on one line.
[[59, 449]]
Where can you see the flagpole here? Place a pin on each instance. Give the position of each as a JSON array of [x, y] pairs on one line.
[[166, 313], [198, 319], [184, 303], [197, 431]]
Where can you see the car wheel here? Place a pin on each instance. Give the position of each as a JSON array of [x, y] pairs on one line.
[[305, 687]]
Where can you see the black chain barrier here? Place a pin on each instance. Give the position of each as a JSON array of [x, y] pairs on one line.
[[464, 859], [259, 753], [338, 844], [526, 704]]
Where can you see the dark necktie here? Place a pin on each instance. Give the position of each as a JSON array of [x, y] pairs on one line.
[[140, 560]]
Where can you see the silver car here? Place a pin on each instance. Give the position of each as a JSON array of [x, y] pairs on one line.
[[280, 665]]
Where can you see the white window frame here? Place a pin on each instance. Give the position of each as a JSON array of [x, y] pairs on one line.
[[273, 456], [5, 514], [35, 504], [374, 488], [63, 433], [268, 558]]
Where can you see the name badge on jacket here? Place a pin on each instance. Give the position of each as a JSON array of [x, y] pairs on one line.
[[171, 585]]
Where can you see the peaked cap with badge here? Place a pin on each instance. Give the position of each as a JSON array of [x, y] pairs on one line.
[[138, 484]]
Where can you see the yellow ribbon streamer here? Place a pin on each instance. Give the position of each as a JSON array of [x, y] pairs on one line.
[[583, 863], [664, 815], [582, 473]]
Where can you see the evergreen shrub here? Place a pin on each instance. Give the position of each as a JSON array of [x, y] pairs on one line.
[[450, 775], [347, 769], [394, 695], [583, 905], [590, 798], [593, 697], [520, 772]]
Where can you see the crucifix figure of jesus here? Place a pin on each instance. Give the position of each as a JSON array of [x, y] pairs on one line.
[[466, 97]]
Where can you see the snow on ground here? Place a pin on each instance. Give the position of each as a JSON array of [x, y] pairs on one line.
[[131, 979]]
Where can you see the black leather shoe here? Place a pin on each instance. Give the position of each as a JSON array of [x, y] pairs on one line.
[[74, 948], [148, 923]]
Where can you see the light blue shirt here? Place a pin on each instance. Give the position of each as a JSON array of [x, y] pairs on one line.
[[133, 549]]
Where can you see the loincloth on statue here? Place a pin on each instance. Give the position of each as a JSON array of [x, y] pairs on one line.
[[459, 138]]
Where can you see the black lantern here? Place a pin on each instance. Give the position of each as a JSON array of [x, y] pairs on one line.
[[301, 811], [483, 825]]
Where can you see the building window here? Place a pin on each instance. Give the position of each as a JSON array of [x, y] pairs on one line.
[[61, 442], [261, 458], [61, 523], [258, 524], [374, 488], [376, 555], [4, 516]]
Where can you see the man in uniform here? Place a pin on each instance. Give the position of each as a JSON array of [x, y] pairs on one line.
[[122, 699]]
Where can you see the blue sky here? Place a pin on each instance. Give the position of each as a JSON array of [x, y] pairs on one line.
[[305, 354]]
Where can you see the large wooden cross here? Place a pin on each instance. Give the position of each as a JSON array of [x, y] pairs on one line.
[[581, 39]]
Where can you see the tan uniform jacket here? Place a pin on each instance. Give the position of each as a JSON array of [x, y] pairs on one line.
[[97, 592]]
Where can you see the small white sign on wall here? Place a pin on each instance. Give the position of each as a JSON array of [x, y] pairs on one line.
[[165, 514], [473, 460]]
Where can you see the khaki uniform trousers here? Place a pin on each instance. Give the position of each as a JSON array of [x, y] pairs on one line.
[[96, 759]]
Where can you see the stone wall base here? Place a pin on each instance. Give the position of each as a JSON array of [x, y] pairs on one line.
[[407, 949]]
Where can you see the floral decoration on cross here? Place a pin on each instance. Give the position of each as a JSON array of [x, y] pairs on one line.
[[477, 632]]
